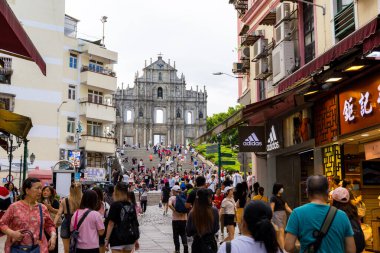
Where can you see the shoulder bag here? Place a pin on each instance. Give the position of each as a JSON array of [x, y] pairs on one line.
[[34, 248], [75, 234], [65, 226], [319, 235]]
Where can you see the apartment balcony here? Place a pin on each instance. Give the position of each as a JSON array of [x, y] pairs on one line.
[[240, 5], [98, 144], [345, 22], [104, 79], [100, 51], [97, 111]]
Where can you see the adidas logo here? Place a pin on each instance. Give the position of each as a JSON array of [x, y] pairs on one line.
[[272, 141], [252, 140]]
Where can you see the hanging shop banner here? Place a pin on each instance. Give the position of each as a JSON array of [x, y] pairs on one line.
[[372, 150], [251, 139], [95, 174], [297, 128], [359, 105], [74, 157], [274, 137]]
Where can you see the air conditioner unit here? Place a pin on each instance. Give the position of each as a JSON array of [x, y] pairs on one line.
[[283, 32], [258, 33], [283, 60], [282, 12], [70, 138], [237, 67], [261, 68], [245, 53], [259, 47]]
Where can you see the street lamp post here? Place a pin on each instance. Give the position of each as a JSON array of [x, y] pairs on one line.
[[10, 150], [222, 73], [103, 20]]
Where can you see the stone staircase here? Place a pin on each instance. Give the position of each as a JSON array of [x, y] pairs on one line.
[[154, 197]]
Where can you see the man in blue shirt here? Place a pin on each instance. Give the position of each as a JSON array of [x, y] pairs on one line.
[[308, 218]]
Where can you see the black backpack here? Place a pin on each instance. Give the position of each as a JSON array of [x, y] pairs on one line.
[[128, 229], [358, 235]]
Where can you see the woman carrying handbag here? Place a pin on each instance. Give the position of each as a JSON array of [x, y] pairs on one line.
[[25, 220]]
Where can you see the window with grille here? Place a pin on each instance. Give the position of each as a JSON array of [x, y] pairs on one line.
[[95, 97], [309, 37], [71, 125], [94, 128], [71, 92]]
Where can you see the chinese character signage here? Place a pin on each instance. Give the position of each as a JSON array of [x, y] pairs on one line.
[[251, 139], [359, 106]]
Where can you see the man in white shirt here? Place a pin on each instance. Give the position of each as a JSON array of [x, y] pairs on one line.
[[126, 178], [212, 183], [236, 179]]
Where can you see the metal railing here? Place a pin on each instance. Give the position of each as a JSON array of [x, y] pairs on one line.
[[102, 71], [103, 102]]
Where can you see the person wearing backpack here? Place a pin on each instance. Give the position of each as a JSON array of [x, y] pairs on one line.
[[102, 207], [123, 227], [306, 221], [179, 218], [341, 200], [203, 223], [86, 225]]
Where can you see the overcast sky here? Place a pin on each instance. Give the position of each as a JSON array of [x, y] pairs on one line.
[[200, 35]]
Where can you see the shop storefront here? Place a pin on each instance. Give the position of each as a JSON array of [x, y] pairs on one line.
[[348, 134]]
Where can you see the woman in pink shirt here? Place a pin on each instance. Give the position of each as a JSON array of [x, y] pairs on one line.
[[24, 215], [92, 226]]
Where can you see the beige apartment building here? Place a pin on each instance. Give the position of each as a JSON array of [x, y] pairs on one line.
[[76, 93]]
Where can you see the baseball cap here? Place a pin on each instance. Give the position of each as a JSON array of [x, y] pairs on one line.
[[176, 188], [228, 188], [341, 194]]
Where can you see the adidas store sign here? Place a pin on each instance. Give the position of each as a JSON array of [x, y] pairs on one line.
[[273, 142], [252, 140]]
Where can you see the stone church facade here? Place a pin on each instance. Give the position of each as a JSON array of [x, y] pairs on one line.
[[159, 109]]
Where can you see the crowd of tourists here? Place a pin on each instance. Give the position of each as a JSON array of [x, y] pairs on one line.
[[94, 219]]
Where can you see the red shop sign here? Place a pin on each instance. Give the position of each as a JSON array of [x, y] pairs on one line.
[[359, 105]]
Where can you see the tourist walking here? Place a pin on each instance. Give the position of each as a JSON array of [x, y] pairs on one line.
[[143, 197], [306, 219], [52, 204], [258, 234], [179, 218], [228, 209], [25, 220], [89, 223], [103, 208], [5, 200], [241, 195], [203, 223], [122, 215], [13, 192], [279, 208], [341, 200], [66, 208], [165, 195], [260, 195]]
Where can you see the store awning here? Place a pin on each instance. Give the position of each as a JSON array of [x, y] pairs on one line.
[[259, 112], [14, 40], [366, 35], [14, 123]]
